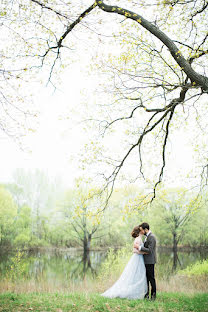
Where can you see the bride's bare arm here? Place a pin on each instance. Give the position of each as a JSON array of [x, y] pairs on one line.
[[137, 242]]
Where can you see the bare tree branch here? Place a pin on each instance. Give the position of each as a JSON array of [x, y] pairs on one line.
[[44, 6], [198, 79]]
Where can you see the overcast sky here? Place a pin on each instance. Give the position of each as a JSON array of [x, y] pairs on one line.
[[60, 136], [57, 138]]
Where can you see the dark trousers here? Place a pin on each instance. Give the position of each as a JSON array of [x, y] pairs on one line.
[[150, 273]]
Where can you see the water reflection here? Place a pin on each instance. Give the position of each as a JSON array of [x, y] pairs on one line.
[[73, 265], [169, 262], [64, 265]]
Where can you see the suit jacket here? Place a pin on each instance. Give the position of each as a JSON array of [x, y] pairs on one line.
[[150, 248]]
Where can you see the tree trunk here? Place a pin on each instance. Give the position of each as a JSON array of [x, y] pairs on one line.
[[175, 243], [175, 260], [87, 243]]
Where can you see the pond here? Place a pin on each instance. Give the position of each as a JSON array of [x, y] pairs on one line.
[[64, 265]]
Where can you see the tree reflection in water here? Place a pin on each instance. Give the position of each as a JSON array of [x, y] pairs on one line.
[[72, 266], [171, 261], [84, 268]]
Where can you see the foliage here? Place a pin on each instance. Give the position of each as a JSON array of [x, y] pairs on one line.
[[78, 213], [81, 209], [18, 267], [198, 268], [196, 232], [150, 97], [171, 213], [23, 226], [35, 196], [157, 75], [122, 214], [8, 212]]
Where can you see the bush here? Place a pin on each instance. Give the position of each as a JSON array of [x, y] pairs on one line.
[[22, 239], [198, 268], [18, 267]]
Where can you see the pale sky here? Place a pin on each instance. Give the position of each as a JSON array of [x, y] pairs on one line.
[[60, 136], [49, 147]]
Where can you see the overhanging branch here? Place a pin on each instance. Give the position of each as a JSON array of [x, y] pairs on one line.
[[195, 78]]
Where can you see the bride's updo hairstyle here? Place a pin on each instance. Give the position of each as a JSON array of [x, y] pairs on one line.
[[135, 232]]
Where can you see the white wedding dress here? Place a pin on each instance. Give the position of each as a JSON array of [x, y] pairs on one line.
[[132, 283]]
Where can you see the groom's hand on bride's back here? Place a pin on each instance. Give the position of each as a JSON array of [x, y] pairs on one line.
[[135, 250], [136, 245]]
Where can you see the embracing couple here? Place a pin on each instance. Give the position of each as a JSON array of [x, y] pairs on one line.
[[139, 272]]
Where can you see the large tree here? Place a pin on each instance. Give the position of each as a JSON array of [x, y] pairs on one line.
[[160, 75]]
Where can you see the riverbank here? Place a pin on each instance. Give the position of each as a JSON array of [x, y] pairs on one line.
[[69, 272], [55, 302], [181, 248], [190, 285]]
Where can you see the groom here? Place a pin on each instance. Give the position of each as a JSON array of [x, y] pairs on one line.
[[149, 258]]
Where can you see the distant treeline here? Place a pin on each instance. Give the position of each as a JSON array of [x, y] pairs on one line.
[[36, 212]]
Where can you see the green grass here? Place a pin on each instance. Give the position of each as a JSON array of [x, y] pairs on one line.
[[198, 268], [42, 302]]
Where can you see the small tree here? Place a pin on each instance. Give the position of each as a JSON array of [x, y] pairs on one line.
[[82, 210], [170, 216], [171, 213]]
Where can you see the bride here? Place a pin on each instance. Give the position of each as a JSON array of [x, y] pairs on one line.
[[132, 283]]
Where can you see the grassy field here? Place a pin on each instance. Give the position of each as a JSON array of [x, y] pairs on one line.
[[42, 302]]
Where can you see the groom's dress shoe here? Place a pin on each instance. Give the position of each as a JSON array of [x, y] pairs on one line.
[[146, 297], [153, 296]]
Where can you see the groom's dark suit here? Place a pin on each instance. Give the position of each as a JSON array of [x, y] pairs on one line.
[[150, 260]]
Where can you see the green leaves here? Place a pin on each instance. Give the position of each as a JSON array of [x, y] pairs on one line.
[[8, 211]]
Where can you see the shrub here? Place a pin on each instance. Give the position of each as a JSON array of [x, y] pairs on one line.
[[198, 268]]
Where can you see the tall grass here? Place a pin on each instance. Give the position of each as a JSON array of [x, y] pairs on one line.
[[191, 282], [193, 279]]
